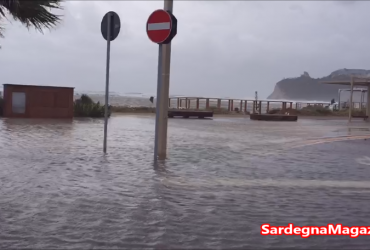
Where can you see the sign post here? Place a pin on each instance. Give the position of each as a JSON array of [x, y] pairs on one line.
[[162, 149], [161, 28], [110, 28]]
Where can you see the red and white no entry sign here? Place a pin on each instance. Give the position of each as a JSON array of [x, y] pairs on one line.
[[161, 27]]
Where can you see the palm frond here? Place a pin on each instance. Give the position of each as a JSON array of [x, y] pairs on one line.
[[34, 13]]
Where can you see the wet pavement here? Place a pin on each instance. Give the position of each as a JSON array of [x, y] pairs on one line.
[[223, 179]]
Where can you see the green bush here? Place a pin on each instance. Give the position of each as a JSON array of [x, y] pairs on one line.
[[274, 111], [345, 112], [315, 110], [306, 111], [318, 111], [85, 99], [86, 107], [217, 110]]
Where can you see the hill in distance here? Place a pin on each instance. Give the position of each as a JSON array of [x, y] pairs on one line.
[[310, 89]]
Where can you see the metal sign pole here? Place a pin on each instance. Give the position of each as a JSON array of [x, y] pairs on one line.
[[162, 36], [157, 105], [107, 84], [256, 98], [166, 62]]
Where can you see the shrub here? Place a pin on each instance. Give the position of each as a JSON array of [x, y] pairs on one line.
[[306, 111], [345, 112], [85, 99], [315, 110], [86, 107], [274, 111], [217, 110]]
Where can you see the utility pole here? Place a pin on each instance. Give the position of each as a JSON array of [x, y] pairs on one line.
[[256, 105]]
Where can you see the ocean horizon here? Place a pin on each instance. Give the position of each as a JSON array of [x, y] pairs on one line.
[[142, 99]]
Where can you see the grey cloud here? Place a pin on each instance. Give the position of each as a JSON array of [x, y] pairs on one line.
[[346, 3], [296, 7], [222, 48]]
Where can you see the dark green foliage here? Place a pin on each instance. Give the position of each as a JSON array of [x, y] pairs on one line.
[[274, 111], [217, 110], [86, 107], [32, 13], [316, 110], [85, 99]]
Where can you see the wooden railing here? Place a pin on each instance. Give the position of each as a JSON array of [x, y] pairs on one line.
[[240, 105]]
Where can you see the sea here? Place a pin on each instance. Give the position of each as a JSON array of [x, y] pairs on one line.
[[143, 100]]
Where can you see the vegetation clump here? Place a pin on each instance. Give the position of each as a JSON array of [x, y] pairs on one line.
[[314, 110], [217, 110], [317, 110], [86, 107], [306, 111]]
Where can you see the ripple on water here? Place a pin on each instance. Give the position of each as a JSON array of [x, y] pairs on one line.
[[223, 179]]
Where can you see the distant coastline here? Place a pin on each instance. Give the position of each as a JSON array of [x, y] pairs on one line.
[[307, 88]]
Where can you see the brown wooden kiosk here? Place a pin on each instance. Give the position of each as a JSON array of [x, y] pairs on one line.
[[31, 101]]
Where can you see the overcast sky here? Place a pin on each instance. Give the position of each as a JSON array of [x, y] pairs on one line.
[[222, 49]]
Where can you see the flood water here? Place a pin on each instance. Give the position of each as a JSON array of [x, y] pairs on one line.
[[223, 179]]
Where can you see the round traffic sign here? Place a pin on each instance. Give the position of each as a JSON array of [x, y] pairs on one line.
[[115, 25], [161, 26]]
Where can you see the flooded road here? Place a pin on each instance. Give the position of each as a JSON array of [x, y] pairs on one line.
[[223, 179]]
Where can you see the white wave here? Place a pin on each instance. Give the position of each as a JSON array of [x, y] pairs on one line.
[[137, 94], [80, 92], [364, 160], [295, 101]]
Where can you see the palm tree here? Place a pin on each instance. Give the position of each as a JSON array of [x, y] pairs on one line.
[[31, 13]]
